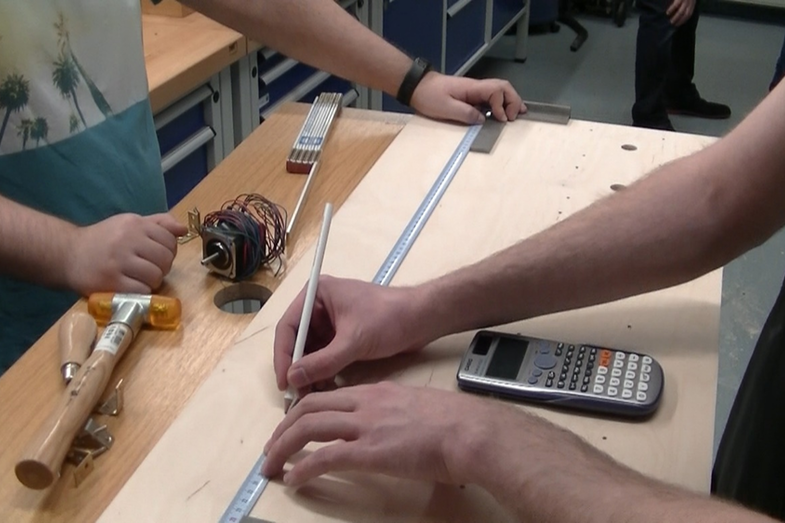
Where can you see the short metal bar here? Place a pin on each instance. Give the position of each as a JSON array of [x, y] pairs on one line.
[[278, 71], [455, 8], [181, 106], [185, 149], [542, 112], [301, 200]]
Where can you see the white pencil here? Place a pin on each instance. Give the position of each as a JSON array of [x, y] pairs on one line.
[[291, 395]]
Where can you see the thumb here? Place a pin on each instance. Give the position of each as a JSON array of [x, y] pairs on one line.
[[168, 222], [321, 365]]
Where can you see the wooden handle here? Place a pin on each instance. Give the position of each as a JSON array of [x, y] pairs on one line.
[[41, 462], [76, 335]]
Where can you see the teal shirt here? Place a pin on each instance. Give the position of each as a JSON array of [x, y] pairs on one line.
[[77, 138]]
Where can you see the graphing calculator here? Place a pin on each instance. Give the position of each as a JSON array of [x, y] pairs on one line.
[[583, 377]]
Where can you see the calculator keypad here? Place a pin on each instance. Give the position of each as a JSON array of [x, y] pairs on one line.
[[594, 370]]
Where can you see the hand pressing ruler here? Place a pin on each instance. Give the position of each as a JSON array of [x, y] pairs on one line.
[[255, 483]]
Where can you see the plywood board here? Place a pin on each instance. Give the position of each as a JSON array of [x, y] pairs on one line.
[[538, 174]]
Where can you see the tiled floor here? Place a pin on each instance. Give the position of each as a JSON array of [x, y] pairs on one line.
[[734, 64]]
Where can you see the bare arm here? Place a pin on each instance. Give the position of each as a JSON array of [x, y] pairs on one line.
[[126, 252], [683, 220], [318, 32], [33, 245], [546, 474], [322, 34]]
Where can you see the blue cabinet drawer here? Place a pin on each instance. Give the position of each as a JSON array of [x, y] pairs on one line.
[[280, 78], [503, 12], [188, 172], [465, 34]]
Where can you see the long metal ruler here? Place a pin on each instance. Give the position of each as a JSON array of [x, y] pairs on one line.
[[255, 483], [412, 230]]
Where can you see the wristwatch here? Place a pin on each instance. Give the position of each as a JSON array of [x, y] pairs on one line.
[[420, 67]]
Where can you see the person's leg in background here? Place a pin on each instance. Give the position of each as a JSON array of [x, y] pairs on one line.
[[652, 62], [681, 95], [665, 67]]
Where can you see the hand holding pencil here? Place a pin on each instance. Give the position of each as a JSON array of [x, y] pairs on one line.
[[291, 396]]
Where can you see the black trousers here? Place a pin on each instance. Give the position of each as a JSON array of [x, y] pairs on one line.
[[750, 464], [664, 61]]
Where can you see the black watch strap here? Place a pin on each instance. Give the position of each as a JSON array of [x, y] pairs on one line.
[[419, 68]]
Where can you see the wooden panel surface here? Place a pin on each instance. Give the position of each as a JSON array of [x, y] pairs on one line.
[[162, 369], [183, 53], [538, 174], [165, 8]]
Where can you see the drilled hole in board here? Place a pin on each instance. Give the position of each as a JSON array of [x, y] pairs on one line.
[[629, 147], [242, 298], [618, 187]]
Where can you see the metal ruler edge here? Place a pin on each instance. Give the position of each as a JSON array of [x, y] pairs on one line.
[[412, 230], [254, 484]]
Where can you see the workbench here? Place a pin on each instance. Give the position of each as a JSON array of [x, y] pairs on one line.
[[201, 401], [162, 369]]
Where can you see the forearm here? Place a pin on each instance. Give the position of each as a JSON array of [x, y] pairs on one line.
[[545, 474], [685, 219], [33, 246], [317, 32]]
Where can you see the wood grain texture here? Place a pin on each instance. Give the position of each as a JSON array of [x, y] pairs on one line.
[[162, 369], [183, 53], [538, 174]]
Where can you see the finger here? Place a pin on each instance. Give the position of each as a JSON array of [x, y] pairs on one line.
[[332, 458], [337, 401], [673, 8], [496, 101], [170, 223], [285, 334], [323, 364], [463, 112], [154, 252], [513, 102], [161, 235], [143, 271], [318, 427], [680, 17], [127, 284]]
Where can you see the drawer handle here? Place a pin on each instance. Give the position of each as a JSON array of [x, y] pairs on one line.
[[298, 92], [185, 149], [278, 71], [181, 106], [456, 7]]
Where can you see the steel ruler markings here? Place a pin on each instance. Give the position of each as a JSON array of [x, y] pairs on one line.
[[255, 483], [252, 487], [424, 211]]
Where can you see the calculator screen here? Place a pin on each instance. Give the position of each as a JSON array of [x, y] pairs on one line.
[[507, 359]]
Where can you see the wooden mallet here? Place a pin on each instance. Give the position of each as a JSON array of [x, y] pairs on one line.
[[126, 313]]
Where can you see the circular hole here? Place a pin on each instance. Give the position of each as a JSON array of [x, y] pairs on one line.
[[618, 187], [242, 298], [629, 147]]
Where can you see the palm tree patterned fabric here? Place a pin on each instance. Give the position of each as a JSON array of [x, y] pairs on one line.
[[76, 133]]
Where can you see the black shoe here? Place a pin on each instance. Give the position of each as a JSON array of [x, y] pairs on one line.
[[664, 125], [698, 107]]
